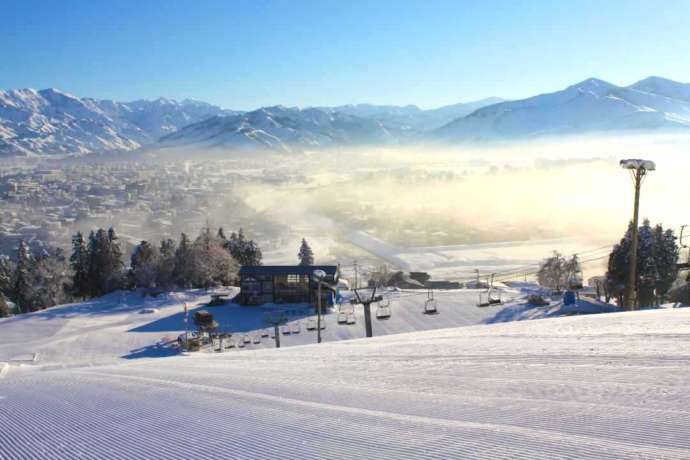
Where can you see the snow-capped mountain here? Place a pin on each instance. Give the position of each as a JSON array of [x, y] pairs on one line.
[[589, 106], [411, 115], [285, 129], [52, 122]]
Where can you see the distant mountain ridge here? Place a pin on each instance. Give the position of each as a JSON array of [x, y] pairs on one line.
[[590, 106], [50, 122]]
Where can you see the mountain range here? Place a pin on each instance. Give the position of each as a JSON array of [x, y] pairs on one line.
[[50, 122]]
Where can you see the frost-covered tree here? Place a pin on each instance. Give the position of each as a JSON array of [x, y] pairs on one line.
[[52, 280], [657, 257], [144, 265], [305, 255], [4, 307], [79, 261], [6, 273], [211, 264], [166, 264], [553, 272]]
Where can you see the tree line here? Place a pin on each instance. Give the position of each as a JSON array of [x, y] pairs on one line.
[[657, 266], [96, 267]]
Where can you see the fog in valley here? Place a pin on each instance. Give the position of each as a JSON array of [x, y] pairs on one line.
[[461, 208]]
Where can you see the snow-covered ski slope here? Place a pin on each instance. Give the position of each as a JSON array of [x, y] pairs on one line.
[[603, 386]]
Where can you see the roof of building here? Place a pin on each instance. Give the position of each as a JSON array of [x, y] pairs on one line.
[[330, 270]]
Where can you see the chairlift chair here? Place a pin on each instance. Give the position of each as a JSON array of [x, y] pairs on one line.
[[256, 340], [342, 318], [240, 344], [484, 299], [230, 344], [495, 299], [246, 339], [295, 328], [285, 329], [351, 319], [383, 312], [430, 307], [311, 324], [430, 304]]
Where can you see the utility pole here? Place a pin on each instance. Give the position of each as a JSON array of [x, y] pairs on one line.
[[638, 171], [318, 314], [356, 276], [366, 303], [275, 320]]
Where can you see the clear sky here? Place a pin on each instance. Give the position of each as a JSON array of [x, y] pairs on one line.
[[248, 53]]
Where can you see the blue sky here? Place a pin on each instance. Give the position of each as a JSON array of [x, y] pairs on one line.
[[248, 53]]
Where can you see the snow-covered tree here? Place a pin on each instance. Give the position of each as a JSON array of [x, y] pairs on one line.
[[106, 269], [305, 255], [243, 250], [6, 273], [52, 280], [553, 272], [211, 264], [657, 256]]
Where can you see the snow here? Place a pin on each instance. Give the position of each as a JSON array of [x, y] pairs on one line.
[[603, 386]]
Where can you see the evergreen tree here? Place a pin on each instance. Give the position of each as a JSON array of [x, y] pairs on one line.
[[166, 264], [115, 264], [79, 261], [23, 282], [657, 257], [144, 265], [183, 259], [305, 255], [244, 251], [221, 234]]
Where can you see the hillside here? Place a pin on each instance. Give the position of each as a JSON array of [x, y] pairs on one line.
[[602, 387]]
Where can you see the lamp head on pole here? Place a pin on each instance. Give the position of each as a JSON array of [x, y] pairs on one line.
[[319, 275], [638, 164]]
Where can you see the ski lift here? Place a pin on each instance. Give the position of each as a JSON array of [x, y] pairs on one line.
[[285, 329], [230, 344], [264, 333], [351, 319], [383, 311], [256, 340], [294, 328], [246, 339], [240, 344], [430, 305], [311, 324]]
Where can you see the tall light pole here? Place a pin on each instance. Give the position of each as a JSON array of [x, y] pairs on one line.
[[638, 170], [319, 275]]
